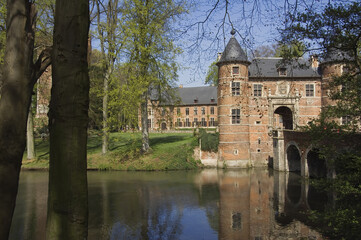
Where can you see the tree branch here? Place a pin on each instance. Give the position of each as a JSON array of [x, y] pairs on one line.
[[41, 64]]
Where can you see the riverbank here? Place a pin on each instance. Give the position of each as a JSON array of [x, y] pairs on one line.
[[169, 151]]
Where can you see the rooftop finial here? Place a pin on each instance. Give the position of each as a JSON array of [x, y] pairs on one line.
[[233, 32]]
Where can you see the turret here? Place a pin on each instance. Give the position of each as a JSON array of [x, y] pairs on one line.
[[233, 109], [332, 65]]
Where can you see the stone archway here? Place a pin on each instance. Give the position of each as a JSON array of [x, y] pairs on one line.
[[285, 117], [293, 159], [317, 167]]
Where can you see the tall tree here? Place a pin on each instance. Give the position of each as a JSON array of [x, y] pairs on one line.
[[14, 103], [68, 120], [43, 42], [108, 34], [150, 48]]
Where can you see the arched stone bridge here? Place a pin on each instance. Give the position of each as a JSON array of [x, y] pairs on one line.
[[293, 152]]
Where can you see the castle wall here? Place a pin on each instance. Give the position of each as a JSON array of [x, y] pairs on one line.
[[249, 143]]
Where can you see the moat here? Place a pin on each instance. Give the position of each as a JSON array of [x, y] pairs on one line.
[[209, 204]]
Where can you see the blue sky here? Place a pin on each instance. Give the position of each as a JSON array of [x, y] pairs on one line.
[[252, 32], [256, 22]]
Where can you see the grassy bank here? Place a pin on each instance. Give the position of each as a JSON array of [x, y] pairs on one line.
[[170, 151]]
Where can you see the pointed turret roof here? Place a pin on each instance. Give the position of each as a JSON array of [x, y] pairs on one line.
[[233, 52]]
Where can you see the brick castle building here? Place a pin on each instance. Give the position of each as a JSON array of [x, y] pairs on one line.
[[251, 100]]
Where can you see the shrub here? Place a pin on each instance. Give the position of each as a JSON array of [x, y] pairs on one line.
[[209, 141]]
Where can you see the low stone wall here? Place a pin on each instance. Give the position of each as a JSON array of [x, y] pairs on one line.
[[208, 159]]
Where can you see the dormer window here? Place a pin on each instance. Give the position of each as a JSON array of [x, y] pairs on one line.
[[235, 70], [212, 100], [196, 100], [282, 72]]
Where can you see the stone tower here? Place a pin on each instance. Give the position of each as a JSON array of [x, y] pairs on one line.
[[233, 107], [331, 66]]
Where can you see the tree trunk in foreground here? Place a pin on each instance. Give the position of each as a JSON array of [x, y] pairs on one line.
[[30, 144], [68, 120], [14, 104], [144, 123]]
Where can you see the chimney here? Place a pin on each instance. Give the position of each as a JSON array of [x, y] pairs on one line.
[[314, 61]]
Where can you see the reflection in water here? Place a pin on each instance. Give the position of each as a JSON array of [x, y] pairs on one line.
[[210, 204]]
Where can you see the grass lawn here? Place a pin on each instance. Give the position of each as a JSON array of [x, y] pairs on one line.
[[170, 151]]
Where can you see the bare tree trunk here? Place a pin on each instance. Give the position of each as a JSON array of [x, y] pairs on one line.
[[68, 120], [14, 104], [105, 139], [144, 122], [30, 144]]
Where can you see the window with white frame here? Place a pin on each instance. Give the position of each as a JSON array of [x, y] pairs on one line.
[[187, 111], [257, 90], [211, 122], [195, 111], [235, 70], [212, 110], [188, 124], [179, 123], [195, 122], [203, 122], [203, 110], [310, 90], [236, 88], [236, 116]]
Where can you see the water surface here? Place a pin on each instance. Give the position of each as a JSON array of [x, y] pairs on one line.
[[209, 204]]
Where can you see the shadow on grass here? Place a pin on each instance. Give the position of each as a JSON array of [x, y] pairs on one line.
[[168, 139]]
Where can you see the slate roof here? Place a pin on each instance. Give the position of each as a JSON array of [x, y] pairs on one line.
[[268, 68], [233, 53], [203, 95], [189, 96]]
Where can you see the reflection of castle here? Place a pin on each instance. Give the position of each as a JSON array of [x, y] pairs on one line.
[[257, 205]]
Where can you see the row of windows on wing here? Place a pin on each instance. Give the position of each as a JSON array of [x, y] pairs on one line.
[[187, 123], [195, 111], [203, 122], [257, 89]]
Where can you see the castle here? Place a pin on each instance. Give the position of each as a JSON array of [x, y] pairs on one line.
[[252, 100]]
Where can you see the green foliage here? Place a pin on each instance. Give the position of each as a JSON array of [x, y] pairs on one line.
[[209, 140], [291, 50], [149, 46], [342, 149], [212, 74], [95, 91]]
